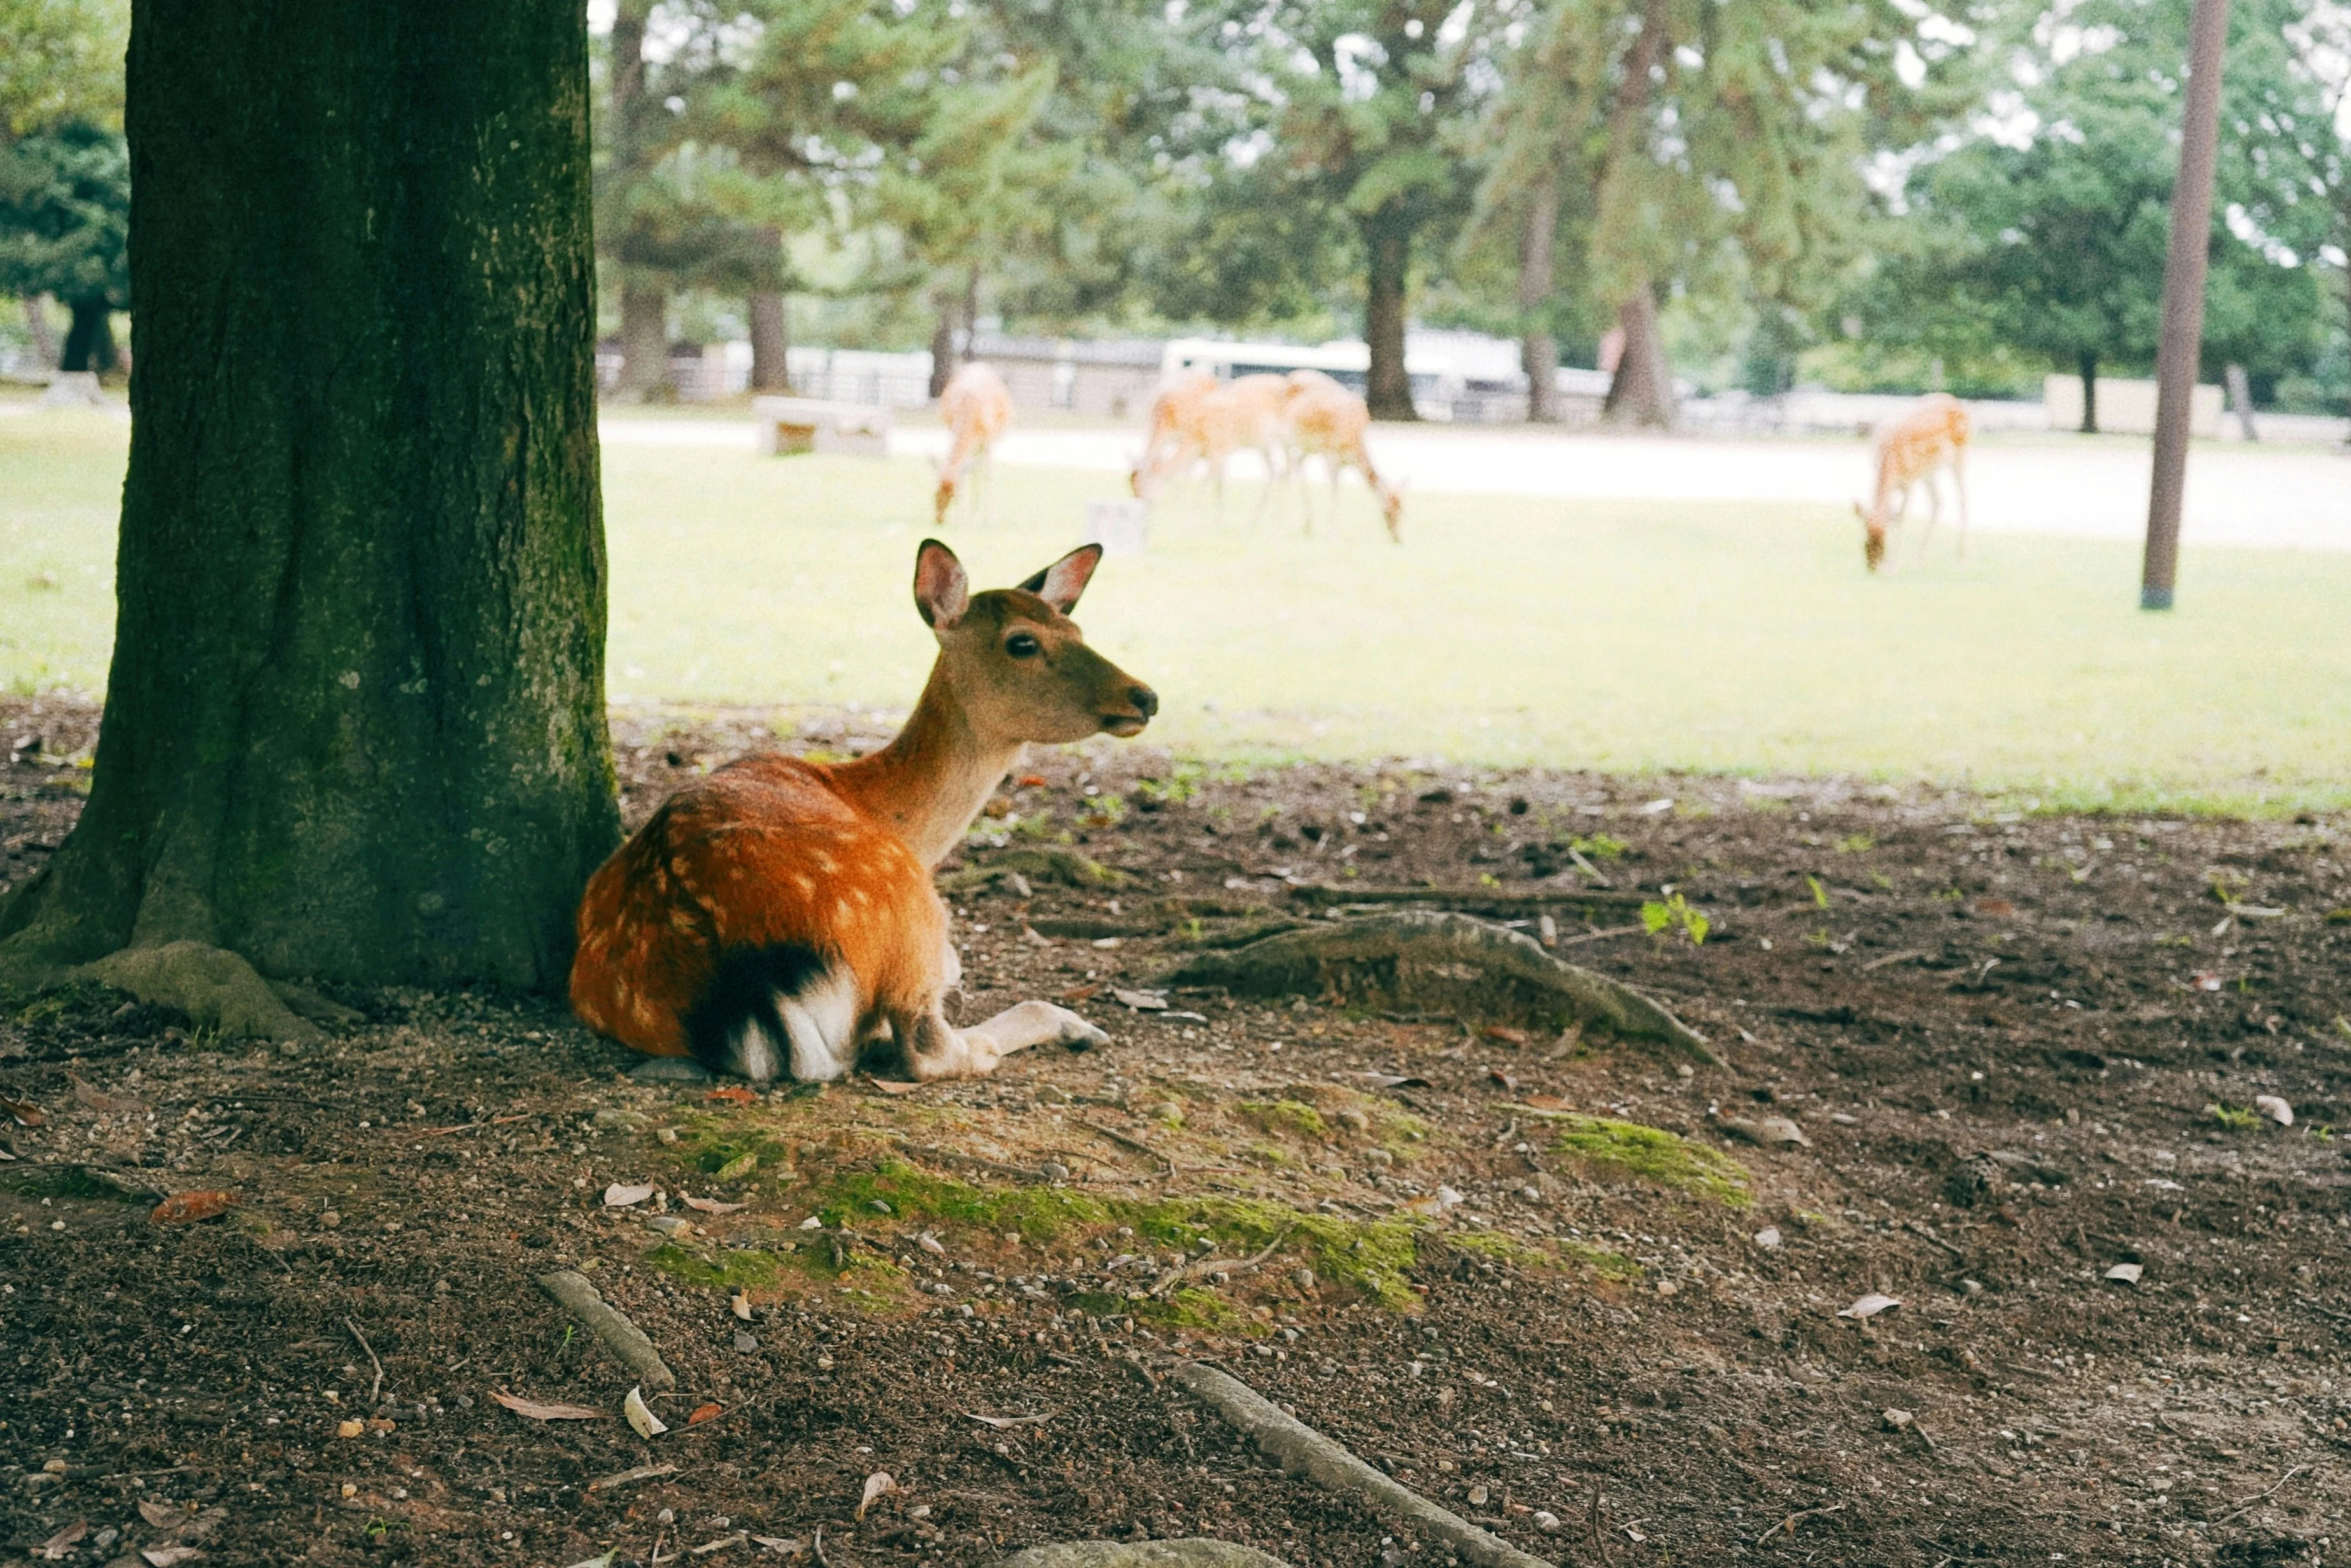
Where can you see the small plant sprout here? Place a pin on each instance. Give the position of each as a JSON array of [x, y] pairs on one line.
[[1674, 911], [1819, 892]]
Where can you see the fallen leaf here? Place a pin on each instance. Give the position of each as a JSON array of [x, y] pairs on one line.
[[539, 1411], [742, 1306], [161, 1514], [188, 1207], [2127, 1273], [2205, 981], [1496, 1075], [165, 1557], [877, 1485], [733, 1095], [1897, 1420], [1547, 1102], [1031, 781], [350, 1428], [705, 1413], [892, 1085], [1998, 908], [1141, 1001], [1507, 1036], [1077, 993], [1870, 1305], [2274, 1108], [931, 1244], [641, 1416], [100, 1099], [789, 1545], [1768, 1238], [23, 1111], [713, 1206], [1002, 1421], [620, 1195], [57, 1546]]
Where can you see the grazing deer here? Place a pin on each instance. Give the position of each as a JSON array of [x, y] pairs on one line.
[[1328, 421], [1173, 436], [1908, 452], [976, 408], [780, 915], [1212, 423]]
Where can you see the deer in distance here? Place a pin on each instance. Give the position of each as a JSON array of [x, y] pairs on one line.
[[1191, 422], [1908, 453], [778, 916], [1327, 420], [976, 407]]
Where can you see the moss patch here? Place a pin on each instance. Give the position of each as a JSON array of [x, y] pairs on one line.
[[724, 1270], [1295, 1118], [1510, 1249], [1651, 1154]]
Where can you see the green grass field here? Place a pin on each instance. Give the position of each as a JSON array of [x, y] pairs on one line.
[[1630, 636]]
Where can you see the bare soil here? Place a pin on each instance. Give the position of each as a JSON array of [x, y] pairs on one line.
[[1523, 1273]]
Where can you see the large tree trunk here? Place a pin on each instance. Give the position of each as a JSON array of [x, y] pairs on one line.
[[644, 344], [1389, 392], [2088, 364], [1643, 389], [1538, 352], [89, 340], [771, 343], [354, 725], [36, 322], [943, 343]]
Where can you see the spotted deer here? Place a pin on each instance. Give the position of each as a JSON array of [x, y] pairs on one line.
[[976, 408], [1910, 451], [1246, 413], [778, 916], [1329, 422], [1173, 436]]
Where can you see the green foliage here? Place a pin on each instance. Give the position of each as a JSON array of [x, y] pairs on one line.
[[64, 215], [61, 60], [1293, 1117], [2235, 1118], [1675, 912]]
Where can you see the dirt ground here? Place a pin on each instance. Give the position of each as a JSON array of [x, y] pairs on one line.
[[1578, 1293]]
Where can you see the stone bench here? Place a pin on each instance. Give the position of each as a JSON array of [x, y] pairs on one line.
[[786, 425]]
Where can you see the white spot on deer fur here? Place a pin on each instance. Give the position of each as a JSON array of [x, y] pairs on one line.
[[824, 861], [840, 909], [805, 886]]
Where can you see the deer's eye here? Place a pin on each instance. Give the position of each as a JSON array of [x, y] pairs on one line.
[[1022, 645]]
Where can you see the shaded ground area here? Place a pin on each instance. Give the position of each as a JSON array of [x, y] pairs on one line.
[[1550, 1281]]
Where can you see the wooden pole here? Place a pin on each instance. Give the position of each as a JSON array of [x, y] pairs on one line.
[[2183, 299]]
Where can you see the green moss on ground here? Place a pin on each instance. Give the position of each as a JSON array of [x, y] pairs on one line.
[[1650, 1153], [1510, 1249], [1293, 1117]]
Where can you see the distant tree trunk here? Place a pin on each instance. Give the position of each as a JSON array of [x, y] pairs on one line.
[[36, 322], [2089, 365], [1538, 352], [644, 345], [1643, 391], [943, 343], [89, 341], [1389, 392], [770, 343], [354, 723], [971, 316]]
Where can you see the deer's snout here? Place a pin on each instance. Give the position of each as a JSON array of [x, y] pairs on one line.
[[1142, 702], [1146, 701]]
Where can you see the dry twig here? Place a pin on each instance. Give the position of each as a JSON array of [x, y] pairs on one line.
[[377, 1391]]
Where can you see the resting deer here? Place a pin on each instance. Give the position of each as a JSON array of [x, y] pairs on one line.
[[1249, 412], [976, 408], [1908, 452], [778, 915], [1328, 421]]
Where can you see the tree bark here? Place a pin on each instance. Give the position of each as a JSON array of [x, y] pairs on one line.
[[89, 340], [354, 723], [770, 343], [971, 316], [2089, 368], [1389, 393], [36, 322], [1643, 391], [644, 344], [1537, 351], [942, 344]]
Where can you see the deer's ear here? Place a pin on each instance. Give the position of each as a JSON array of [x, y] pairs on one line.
[[1059, 584], [941, 591]]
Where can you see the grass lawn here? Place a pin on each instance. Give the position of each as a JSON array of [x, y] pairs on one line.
[[1626, 636]]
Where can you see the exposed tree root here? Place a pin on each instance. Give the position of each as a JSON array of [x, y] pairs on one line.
[[1436, 960], [611, 1326], [212, 986], [1301, 1450]]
